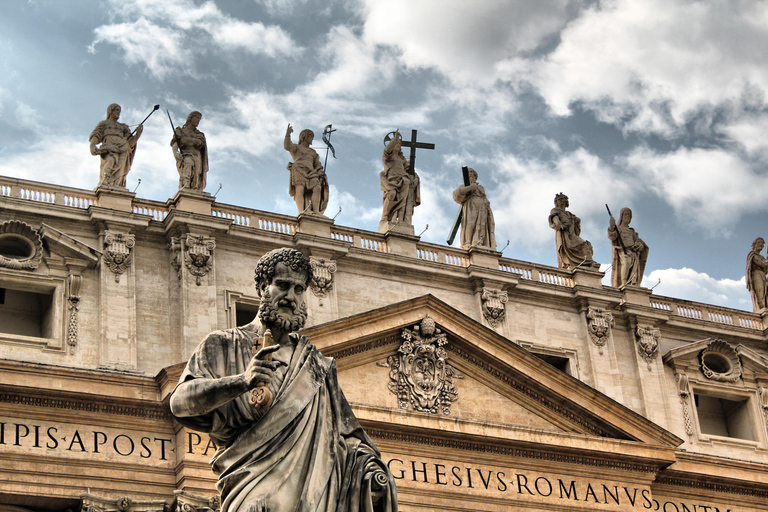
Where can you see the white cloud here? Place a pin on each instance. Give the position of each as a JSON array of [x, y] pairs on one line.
[[167, 35], [708, 188], [688, 284], [525, 193], [649, 66], [463, 40]]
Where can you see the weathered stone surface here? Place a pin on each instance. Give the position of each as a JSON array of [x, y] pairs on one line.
[[629, 252], [477, 224], [400, 187], [308, 184], [756, 271], [572, 250], [191, 153], [115, 145]]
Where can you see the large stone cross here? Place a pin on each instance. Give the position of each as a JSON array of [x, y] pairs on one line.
[[414, 145]]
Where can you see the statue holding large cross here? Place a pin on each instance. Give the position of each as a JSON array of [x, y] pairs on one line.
[[399, 181]]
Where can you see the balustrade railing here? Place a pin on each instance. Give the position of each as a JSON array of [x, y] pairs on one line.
[[158, 211]]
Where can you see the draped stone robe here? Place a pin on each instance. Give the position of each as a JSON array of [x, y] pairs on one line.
[[306, 453]]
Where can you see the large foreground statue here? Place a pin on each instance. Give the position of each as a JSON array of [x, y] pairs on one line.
[[572, 250], [756, 270], [309, 184], [191, 153], [397, 184], [305, 452], [115, 145], [629, 252], [477, 225]]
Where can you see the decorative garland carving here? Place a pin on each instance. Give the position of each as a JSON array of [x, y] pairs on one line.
[[420, 374], [727, 367], [198, 256], [322, 276], [20, 237], [74, 300], [648, 343], [685, 393], [493, 301], [599, 323], [117, 252]]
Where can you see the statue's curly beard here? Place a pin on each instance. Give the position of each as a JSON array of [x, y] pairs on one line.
[[270, 317]]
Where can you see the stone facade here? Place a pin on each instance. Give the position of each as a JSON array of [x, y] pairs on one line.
[[556, 392]]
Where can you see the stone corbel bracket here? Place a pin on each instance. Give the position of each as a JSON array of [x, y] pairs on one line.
[[684, 391], [599, 323], [647, 339], [322, 276], [198, 255], [493, 301], [118, 250]]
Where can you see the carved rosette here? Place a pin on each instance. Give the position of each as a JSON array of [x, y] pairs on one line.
[[74, 299], [648, 343], [720, 362], [685, 393], [322, 278], [493, 301], [20, 246], [420, 374], [118, 251], [599, 323], [198, 257]]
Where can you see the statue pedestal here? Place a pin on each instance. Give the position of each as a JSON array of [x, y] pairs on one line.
[[401, 228], [401, 243], [637, 295], [484, 257], [190, 201], [115, 198], [589, 277], [315, 224]]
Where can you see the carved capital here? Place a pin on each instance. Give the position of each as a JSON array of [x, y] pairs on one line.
[[188, 502], [322, 276], [118, 251], [647, 343], [420, 374], [599, 323], [493, 301], [198, 255]]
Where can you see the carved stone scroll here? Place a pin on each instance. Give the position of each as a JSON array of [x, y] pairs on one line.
[[188, 502], [420, 374], [493, 301], [118, 251], [599, 323], [198, 256], [322, 278], [648, 343], [720, 362]]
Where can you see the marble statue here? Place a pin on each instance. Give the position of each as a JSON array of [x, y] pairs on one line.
[[477, 225], [572, 250], [756, 270], [191, 153], [309, 184], [303, 449], [114, 143], [398, 184], [629, 266]]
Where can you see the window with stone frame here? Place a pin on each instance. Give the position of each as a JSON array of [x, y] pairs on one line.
[[562, 359], [241, 309], [725, 417], [31, 309]]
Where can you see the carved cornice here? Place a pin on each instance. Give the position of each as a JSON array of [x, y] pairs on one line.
[[153, 411], [711, 487], [390, 339]]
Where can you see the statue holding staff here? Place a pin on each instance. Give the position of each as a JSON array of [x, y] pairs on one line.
[[477, 224], [309, 184], [114, 143], [757, 266], [630, 253]]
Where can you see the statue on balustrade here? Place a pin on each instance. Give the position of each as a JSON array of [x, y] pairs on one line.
[[286, 437], [756, 271], [191, 153], [400, 187], [572, 250], [629, 252], [309, 184], [477, 224], [114, 143]]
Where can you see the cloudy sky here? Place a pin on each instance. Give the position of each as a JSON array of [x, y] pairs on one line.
[[659, 105]]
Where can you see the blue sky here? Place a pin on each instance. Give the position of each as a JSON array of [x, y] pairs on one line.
[[656, 105]]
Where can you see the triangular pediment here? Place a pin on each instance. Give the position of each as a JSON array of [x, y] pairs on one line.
[[502, 389]]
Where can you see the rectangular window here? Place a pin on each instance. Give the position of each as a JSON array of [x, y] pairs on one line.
[[724, 417], [26, 313], [245, 313]]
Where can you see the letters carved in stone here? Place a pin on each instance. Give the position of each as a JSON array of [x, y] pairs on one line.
[[420, 374], [322, 276], [599, 322], [493, 305], [648, 343], [198, 256], [117, 252]]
